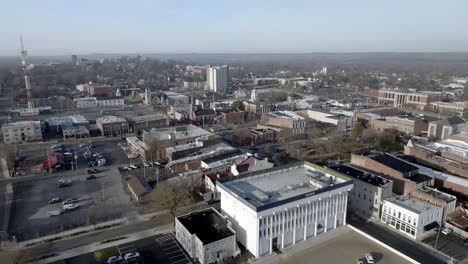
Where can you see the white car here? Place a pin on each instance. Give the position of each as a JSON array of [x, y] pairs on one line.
[[70, 207], [131, 255], [369, 258], [446, 231], [133, 166]]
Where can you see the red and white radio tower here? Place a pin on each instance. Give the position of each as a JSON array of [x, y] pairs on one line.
[[26, 72]]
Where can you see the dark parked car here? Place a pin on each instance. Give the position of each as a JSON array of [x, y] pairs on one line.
[[55, 200], [90, 177], [70, 201]]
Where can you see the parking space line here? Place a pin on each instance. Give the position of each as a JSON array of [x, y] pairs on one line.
[[178, 256], [177, 261], [169, 248]]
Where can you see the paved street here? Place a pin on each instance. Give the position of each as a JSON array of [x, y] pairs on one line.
[[398, 242], [450, 244]]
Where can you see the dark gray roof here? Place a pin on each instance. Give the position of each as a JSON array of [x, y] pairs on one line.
[[207, 225], [394, 163], [360, 174]]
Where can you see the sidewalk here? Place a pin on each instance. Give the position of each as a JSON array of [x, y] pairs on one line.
[[99, 245]]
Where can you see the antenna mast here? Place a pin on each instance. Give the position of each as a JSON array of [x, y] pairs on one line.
[[26, 73]]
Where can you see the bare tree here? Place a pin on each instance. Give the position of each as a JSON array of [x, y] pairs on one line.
[[8, 152], [174, 194]]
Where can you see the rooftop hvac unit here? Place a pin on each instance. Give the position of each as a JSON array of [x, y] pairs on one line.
[[261, 196]]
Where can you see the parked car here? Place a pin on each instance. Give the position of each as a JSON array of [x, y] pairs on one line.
[[56, 146], [360, 261], [70, 207], [446, 230], [70, 201], [55, 200], [369, 258], [132, 256], [465, 241], [115, 260], [133, 166], [64, 183], [83, 145], [54, 213], [91, 177]]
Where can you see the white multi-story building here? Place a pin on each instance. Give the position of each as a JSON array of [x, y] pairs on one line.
[[411, 216], [368, 193], [88, 102], [22, 131], [282, 206], [218, 78], [206, 236]]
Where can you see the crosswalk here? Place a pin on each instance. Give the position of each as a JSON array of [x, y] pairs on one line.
[[173, 251]]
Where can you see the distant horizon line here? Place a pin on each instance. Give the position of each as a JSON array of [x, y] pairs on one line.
[[235, 53]]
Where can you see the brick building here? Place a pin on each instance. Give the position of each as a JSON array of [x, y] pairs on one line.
[[112, 126], [140, 123]]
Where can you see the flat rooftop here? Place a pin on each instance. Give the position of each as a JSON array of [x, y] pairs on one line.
[[411, 203], [286, 114], [264, 189], [208, 225], [109, 119], [393, 162], [360, 175], [178, 133], [146, 118], [343, 245]]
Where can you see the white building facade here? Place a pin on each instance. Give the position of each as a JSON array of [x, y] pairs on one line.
[[218, 78], [22, 131], [279, 208], [411, 216], [88, 102]]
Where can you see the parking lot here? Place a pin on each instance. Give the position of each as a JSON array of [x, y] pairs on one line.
[[101, 199], [343, 246], [163, 249], [451, 244]]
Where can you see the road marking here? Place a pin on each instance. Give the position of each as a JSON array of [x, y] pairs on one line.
[[181, 255], [179, 261], [167, 249]]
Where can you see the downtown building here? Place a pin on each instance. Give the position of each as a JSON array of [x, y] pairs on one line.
[[217, 78], [279, 207]]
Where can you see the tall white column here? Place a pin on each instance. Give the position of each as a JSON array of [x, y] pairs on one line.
[[337, 202], [326, 214], [316, 216], [282, 228], [345, 208], [294, 225], [305, 223]]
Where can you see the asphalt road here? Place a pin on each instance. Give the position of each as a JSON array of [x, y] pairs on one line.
[[398, 242]]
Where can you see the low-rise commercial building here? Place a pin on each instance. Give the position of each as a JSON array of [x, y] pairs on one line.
[[285, 119], [405, 176], [138, 187], [89, 102], [443, 128], [411, 216], [407, 98], [112, 126], [206, 236], [452, 108], [160, 139], [282, 206], [140, 123], [342, 122], [368, 193], [22, 131]]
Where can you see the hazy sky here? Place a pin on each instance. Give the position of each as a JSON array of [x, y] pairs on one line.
[[138, 26]]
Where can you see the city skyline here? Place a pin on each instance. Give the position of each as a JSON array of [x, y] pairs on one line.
[[58, 28]]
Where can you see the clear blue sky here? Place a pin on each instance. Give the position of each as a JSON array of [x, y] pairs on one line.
[[55, 27]]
